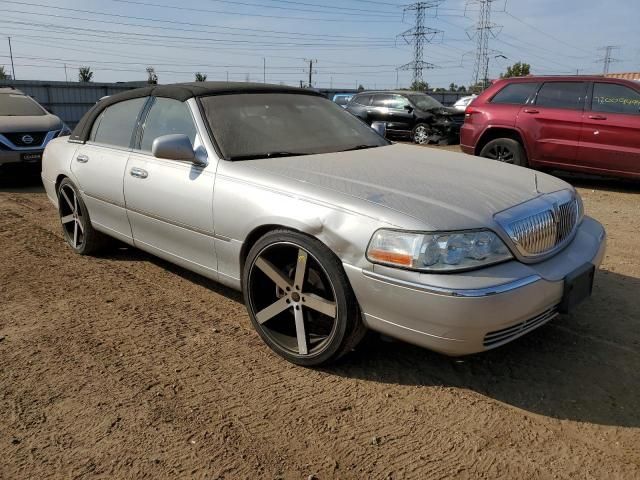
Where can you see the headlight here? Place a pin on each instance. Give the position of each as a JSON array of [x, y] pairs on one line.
[[65, 132], [437, 252]]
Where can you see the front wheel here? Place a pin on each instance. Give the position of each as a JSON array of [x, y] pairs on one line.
[[505, 150], [299, 299], [421, 134]]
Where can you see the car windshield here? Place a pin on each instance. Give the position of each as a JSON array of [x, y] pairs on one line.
[[425, 102], [19, 106], [262, 125]]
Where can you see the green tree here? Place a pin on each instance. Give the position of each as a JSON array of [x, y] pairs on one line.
[[360, 87], [85, 74], [201, 77], [3, 75], [152, 77], [462, 89], [419, 86], [518, 69]]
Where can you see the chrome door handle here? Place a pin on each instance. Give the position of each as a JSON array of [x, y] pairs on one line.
[[597, 117], [138, 172], [82, 158], [531, 111]]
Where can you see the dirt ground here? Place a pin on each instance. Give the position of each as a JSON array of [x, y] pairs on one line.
[[124, 366]]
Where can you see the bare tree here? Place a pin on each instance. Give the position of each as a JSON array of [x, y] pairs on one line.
[[152, 77], [201, 77], [85, 74]]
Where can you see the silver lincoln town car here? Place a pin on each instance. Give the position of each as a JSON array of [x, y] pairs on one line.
[[327, 228]]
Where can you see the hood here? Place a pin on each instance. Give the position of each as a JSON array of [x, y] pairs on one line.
[[38, 123], [443, 190]]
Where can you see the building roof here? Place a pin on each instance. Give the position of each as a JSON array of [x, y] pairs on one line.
[[181, 92], [626, 75]]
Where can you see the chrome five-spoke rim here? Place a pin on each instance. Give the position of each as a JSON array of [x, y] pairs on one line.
[[421, 136], [501, 153], [292, 299], [71, 216]]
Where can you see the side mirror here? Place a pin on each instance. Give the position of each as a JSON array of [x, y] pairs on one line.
[[174, 147], [408, 108], [380, 127]]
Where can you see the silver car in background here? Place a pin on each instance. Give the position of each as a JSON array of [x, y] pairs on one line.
[[326, 227]]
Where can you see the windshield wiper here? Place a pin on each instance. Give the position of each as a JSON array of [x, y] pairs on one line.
[[254, 156], [360, 147]]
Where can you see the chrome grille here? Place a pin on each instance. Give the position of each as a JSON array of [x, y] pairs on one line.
[[542, 231], [543, 224]]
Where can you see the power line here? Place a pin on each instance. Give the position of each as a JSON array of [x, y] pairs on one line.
[[418, 36], [608, 59], [481, 31]]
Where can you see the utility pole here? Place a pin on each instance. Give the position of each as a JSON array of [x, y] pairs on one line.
[[311, 71], [608, 57], [13, 70], [264, 70], [482, 31], [227, 76], [66, 79], [418, 36]]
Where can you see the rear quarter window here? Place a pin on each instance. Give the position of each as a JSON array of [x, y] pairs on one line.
[[515, 93]]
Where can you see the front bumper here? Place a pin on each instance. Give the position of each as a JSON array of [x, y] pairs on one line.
[[459, 314]]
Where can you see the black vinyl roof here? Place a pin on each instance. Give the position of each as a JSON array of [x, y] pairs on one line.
[[181, 92]]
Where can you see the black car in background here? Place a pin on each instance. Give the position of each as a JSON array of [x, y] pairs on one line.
[[409, 114]]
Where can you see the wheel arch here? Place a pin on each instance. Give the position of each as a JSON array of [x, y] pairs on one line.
[[493, 133]]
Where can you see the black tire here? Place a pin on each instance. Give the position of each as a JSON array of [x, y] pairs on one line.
[[78, 232], [505, 150], [421, 134], [325, 338]]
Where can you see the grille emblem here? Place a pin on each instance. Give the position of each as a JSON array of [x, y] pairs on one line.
[[27, 139]]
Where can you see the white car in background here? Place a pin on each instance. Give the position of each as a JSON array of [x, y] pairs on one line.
[[464, 102]]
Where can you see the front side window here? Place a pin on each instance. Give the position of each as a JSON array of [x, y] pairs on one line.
[[515, 94], [262, 125], [363, 100], [614, 98], [167, 117], [568, 95], [19, 106], [116, 124]]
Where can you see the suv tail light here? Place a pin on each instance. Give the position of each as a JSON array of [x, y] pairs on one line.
[[470, 111]]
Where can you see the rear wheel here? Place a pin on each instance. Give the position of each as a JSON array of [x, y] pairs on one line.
[[299, 299], [76, 224], [505, 150]]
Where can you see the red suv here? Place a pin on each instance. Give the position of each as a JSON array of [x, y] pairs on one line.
[[587, 124]]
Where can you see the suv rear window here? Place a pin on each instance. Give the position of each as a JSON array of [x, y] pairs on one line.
[[614, 98], [19, 106], [569, 95], [515, 93]]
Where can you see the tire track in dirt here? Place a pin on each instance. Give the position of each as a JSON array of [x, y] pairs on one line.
[[123, 366]]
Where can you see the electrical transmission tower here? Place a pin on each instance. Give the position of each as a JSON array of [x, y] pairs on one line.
[[482, 31], [418, 36], [608, 57]]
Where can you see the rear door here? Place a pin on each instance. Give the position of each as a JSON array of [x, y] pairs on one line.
[[100, 163], [170, 202], [610, 139], [553, 122]]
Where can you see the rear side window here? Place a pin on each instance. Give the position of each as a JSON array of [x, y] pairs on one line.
[[568, 95], [515, 93], [167, 117], [614, 98], [382, 100], [362, 100], [116, 124]]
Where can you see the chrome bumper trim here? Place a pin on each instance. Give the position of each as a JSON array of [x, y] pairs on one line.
[[455, 292]]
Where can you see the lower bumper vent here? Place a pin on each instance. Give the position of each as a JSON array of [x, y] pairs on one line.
[[498, 337]]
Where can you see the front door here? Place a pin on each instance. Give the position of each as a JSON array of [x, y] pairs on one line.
[[610, 139], [170, 202], [553, 122], [99, 166]]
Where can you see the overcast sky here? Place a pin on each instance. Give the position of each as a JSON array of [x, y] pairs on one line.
[[353, 41]]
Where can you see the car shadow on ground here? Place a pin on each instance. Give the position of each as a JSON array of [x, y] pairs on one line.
[[583, 367], [609, 184], [20, 182]]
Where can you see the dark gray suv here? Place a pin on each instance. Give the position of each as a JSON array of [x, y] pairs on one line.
[[25, 129], [409, 114]]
